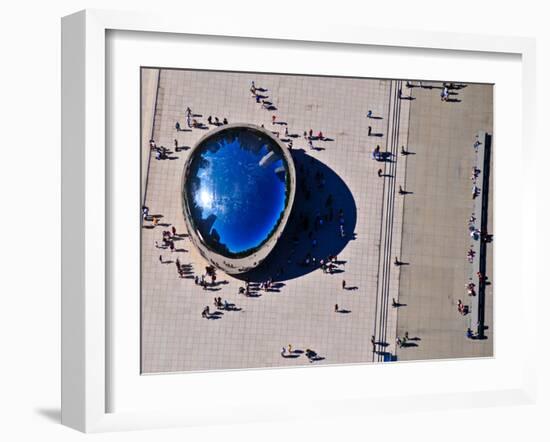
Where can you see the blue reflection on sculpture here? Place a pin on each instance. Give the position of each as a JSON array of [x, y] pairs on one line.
[[236, 190]]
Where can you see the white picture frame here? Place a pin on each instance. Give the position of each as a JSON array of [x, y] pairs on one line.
[[85, 307]]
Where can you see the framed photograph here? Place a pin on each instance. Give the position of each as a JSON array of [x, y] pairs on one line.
[[267, 225]]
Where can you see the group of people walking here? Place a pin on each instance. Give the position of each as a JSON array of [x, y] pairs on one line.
[[478, 236]]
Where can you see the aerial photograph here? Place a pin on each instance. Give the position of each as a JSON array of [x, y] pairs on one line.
[[303, 220]]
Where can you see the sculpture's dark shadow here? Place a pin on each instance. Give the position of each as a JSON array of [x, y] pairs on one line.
[[287, 260]]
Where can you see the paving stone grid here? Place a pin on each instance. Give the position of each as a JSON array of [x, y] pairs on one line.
[[435, 230], [175, 337]]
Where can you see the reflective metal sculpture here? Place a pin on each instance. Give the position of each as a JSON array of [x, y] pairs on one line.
[[238, 190]]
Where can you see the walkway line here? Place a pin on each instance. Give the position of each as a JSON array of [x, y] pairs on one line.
[[386, 221], [390, 216], [381, 221], [152, 137], [406, 160]]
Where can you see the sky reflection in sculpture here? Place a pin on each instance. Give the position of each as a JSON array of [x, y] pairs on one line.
[[237, 191]]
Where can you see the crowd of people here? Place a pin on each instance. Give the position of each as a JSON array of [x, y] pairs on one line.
[[160, 152], [478, 236], [289, 352], [193, 122], [207, 279]]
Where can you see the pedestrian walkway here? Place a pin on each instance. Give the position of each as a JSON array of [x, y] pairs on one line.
[[394, 173], [413, 211], [149, 89], [174, 335], [435, 236], [479, 234]]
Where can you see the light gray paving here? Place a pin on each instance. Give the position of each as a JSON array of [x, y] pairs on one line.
[[435, 228], [149, 87], [174, 336]]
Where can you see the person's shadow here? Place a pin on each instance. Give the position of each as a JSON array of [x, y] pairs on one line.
[[287, 259]]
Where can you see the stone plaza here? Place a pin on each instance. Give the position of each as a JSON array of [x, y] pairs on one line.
[[413, 208]]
